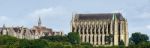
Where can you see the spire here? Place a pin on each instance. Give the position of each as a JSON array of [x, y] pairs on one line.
[[39, 22], [114, 17], [4, 26]]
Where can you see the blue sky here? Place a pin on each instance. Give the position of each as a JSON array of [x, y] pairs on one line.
[[57, 14]]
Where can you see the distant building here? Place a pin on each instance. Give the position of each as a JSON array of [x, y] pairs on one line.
[[33, 33], [107, 29], [57, 33]]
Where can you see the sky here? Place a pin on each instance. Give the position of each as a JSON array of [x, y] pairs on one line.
[[57, 14]]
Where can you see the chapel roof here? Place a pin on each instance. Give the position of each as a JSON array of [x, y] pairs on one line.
[[98, 16]]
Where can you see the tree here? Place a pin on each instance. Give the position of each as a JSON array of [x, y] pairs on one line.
[[137, 37], [6, 40], [74, 37], [55, 45], [144, 45], [55, 38], [24, 43], [87, 45], [121, 42], [108, 39], [39, 43]]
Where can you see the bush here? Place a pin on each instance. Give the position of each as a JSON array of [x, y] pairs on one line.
[[55, 38], [67, 46], [87, 45], [6, 40], [138, 37], [74, 37], [55, 45], [39, 43]]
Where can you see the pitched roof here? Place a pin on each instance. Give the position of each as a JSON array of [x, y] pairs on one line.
[[99, 16]]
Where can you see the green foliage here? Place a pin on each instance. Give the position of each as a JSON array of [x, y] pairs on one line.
[[24, 43], [76, 46], [39, 43], [72, 40], [110, 47], [144, 45], [138, 40], [121, 42], [3, 46], [105, 47], [87, 45], [140, 45], [55, 38], [137, 37], [55, 45], [7, 40], [74, 37], [67, 46], [108, 39]]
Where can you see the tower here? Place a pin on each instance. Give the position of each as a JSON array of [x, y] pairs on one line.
[[115, 30], [39, 22], [4, 30]]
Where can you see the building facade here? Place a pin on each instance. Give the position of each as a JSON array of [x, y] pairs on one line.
[[25, 33], [106, 29]]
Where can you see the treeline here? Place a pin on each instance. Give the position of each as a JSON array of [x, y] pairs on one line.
[[72, 40], [139, 40]]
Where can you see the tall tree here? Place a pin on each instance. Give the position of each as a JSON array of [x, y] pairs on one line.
[[74, 37], [137, 37]]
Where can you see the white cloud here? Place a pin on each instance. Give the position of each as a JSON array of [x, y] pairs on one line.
[[52, 17], [47, 12], [118, 11], [41, 12], [148, 26], [3, 18], [122, 11]]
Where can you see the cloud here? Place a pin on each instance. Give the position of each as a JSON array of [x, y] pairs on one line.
[[148, 26], [118, 11], [3, 18], [122, 11], [48, 12], [57, 18], [41, 12]]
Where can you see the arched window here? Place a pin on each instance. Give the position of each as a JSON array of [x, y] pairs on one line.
[[77, 29], [97, 29], [93, 38], [89, 38], [89, 30], [85, 38], [85, 28], [97, 39], [101, 30], [81, 37], [93, 29], [81, 30], [108, 28]]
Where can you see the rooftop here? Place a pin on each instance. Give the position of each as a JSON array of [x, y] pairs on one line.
[[98, 16]]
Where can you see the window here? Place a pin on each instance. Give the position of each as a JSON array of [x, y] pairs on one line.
[[92, 30], [89, 38], [89, 30], [97, 40], [85, 38], [81, 30]]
